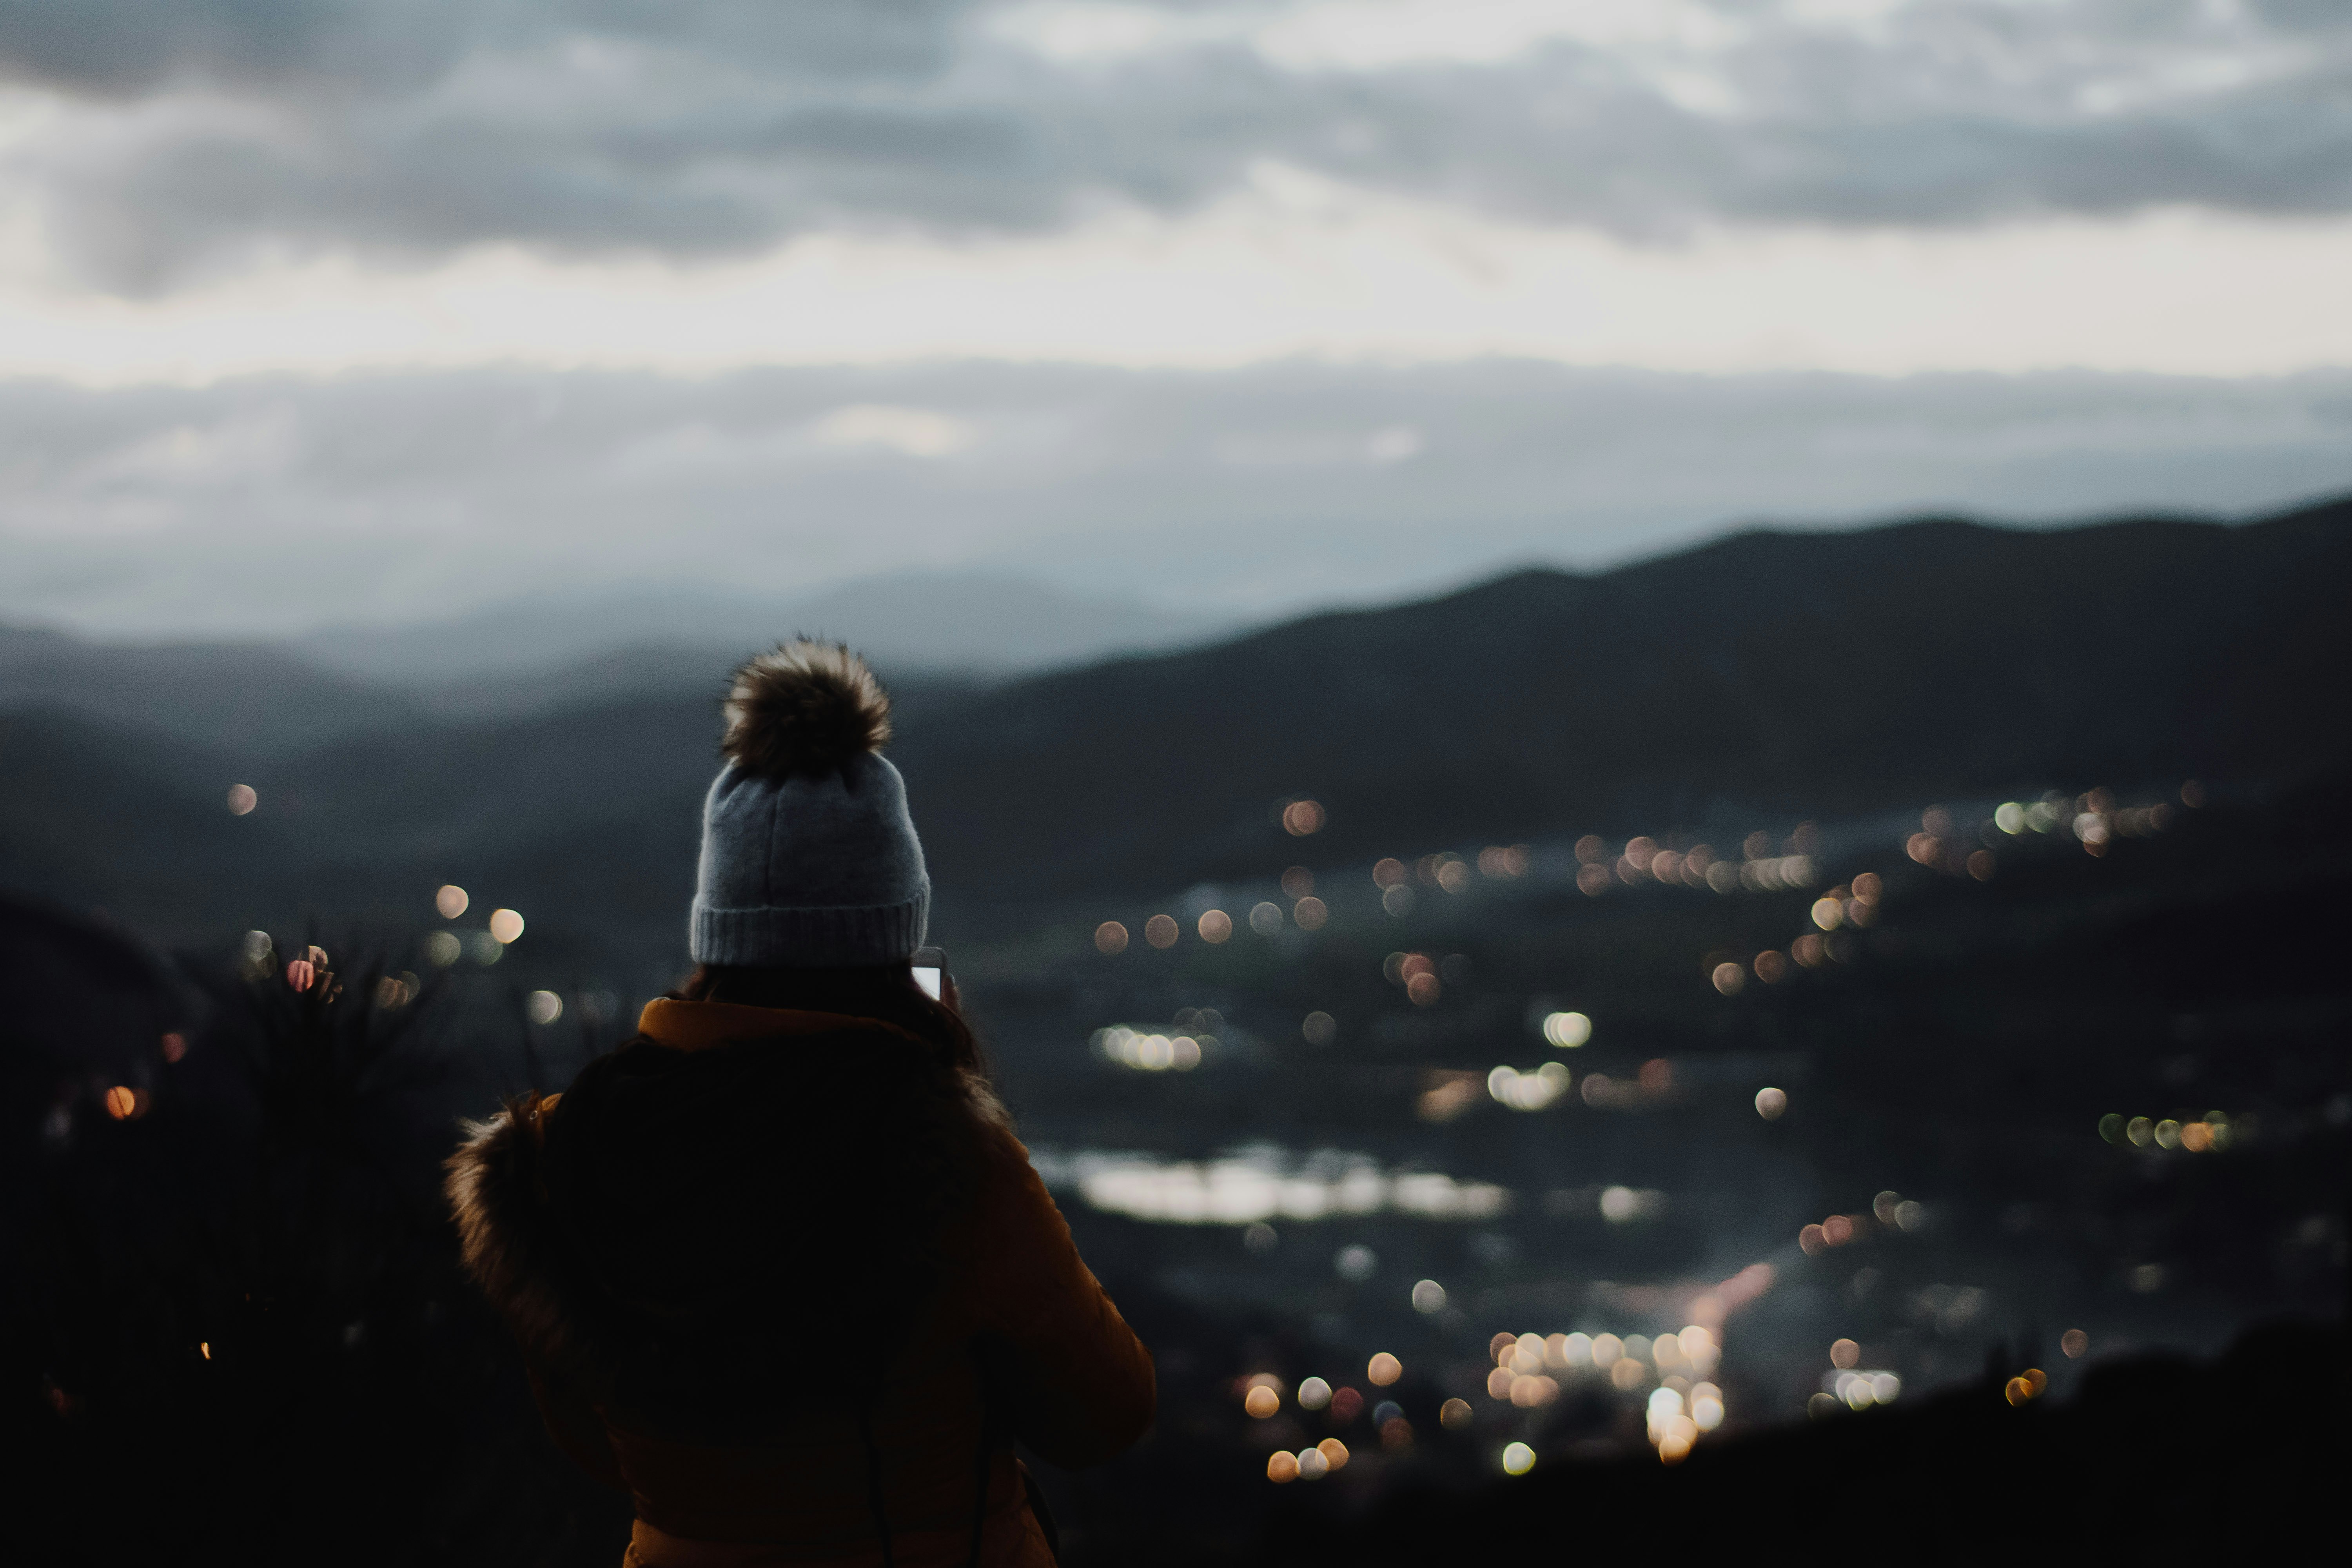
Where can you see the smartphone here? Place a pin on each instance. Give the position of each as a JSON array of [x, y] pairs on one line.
[[931, 971]]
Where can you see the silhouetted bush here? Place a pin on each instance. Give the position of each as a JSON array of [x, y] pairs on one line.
[[236, 1328]]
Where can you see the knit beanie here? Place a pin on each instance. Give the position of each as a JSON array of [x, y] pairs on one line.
[[809, 859]]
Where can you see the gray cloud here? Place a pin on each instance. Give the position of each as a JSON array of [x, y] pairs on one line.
[[208, 130], [123, 48], [273, 504]]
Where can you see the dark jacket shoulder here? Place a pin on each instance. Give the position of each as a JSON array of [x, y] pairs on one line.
[[679, 1223]]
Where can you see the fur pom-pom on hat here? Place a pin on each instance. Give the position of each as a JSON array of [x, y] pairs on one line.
[[806, 708]]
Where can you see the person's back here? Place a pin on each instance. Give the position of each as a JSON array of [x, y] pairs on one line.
[[779, 1265]]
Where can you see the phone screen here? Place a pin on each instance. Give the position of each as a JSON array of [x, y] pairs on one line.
[[931, 967]]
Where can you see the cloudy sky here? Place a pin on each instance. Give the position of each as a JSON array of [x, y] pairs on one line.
[[318, 310]]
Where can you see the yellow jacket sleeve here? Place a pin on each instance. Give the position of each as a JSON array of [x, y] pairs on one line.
[[1064, 1370]]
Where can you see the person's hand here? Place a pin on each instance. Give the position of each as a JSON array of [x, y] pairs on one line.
[[309, 970]]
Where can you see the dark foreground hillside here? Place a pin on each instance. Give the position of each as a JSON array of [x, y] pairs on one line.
[[234, 1331], [2239, 1455]]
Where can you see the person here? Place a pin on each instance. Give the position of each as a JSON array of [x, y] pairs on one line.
[[778, 1264]]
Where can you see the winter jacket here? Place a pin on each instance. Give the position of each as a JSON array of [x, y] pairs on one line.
[[1008, 1336]]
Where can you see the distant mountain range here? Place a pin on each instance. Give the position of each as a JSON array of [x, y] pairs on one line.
[[912, 621], [281, 699], [243, 699], [1746, 683]]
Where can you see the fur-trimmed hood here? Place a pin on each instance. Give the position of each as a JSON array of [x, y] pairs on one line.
[[508, 1236]]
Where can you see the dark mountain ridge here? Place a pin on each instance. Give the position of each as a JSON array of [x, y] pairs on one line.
[[1771, 672], [251, 698], [1768, 676]]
